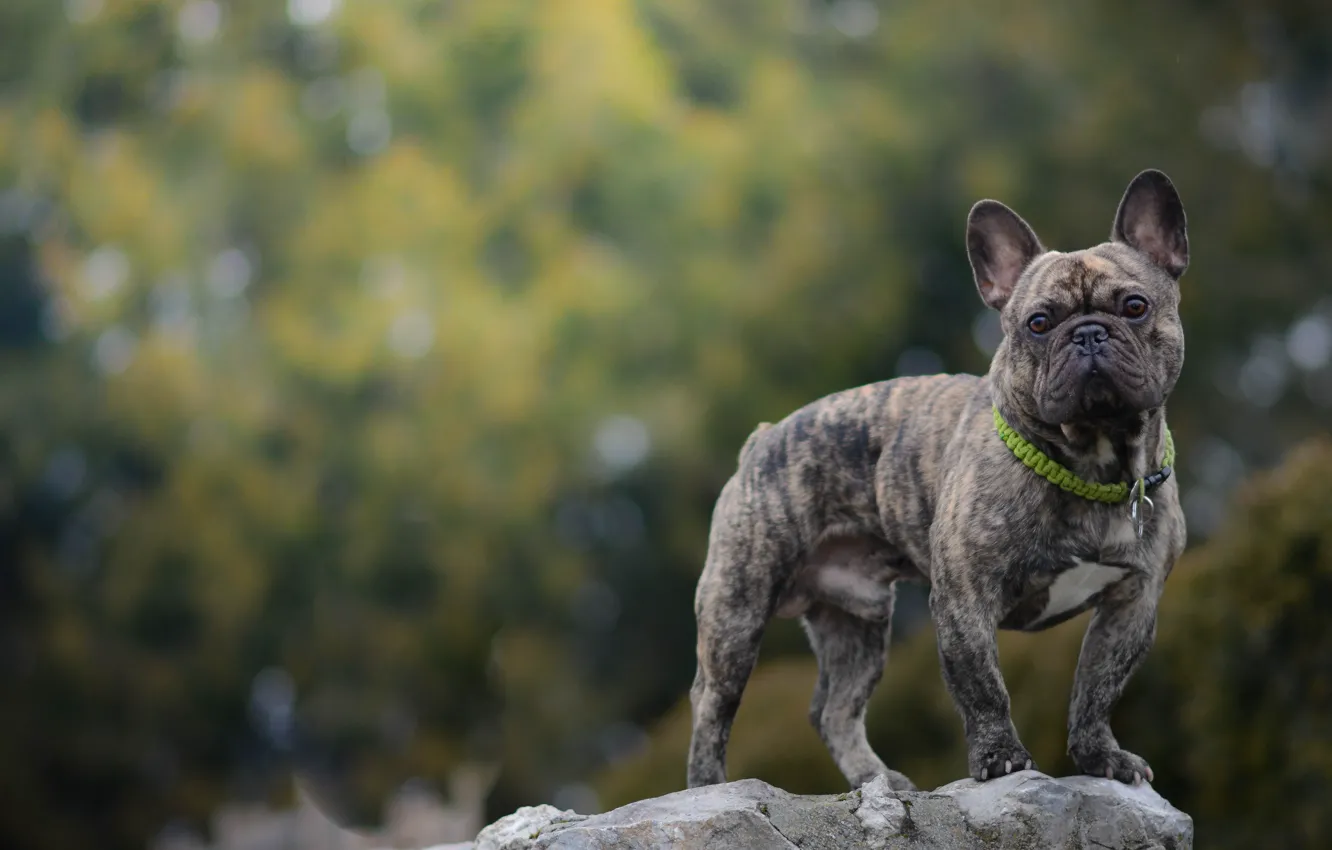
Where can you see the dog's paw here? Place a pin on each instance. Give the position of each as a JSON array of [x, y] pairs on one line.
[[896, 781], [1000, 760], [899, 782], [1114, 763]]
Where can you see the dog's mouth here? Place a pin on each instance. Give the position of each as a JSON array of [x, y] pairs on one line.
[[1099, 398], [1094, 389]]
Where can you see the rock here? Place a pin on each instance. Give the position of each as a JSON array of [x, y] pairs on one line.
[[1024, 811], [733, 816], [519, 830], [1076, 811]]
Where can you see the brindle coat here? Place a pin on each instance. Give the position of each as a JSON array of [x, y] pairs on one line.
[[907, 479]]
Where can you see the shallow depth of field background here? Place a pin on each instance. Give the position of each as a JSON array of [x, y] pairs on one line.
[[368, 371]]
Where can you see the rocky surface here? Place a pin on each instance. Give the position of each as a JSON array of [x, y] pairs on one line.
[[1024, 811]]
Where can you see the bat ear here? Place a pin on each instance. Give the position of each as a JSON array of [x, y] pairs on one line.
[[1151, 219], [1000, 246]]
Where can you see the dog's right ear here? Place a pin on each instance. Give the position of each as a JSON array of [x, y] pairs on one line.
[[1000, 246]]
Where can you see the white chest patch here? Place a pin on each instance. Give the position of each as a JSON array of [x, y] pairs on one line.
[[1075, 586], [843, 581]]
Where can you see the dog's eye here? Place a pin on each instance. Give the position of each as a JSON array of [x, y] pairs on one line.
[[1039, 323], [1135, 307]]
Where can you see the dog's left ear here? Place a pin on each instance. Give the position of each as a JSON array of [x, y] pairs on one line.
[[1151, 219]]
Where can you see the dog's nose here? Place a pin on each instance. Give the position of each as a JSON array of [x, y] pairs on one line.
[[1089, 337]]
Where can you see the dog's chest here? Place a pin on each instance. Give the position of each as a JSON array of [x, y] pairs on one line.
[[1050, 601], [1074, 587], [1062, 584]]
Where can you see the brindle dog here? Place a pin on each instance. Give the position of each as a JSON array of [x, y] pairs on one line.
[[908, 479]]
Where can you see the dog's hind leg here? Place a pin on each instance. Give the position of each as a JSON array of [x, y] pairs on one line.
[[851, 653], [732, 606]]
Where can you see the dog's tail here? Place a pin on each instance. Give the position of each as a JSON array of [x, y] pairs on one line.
[[749, 443]]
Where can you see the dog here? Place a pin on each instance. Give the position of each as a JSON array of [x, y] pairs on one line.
[[1022, 498]]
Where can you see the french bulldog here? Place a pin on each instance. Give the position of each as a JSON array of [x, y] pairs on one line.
[[1022, 498]]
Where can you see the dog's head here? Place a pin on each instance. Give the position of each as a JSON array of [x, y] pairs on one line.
[[1091, 335]]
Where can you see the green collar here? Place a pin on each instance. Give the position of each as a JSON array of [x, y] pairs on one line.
[[1111, 494]]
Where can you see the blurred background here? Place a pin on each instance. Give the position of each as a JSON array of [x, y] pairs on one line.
[[368, 371]]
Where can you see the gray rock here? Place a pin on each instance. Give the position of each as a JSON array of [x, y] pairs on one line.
[[1024, 811], [1115, 815], [881, 811], [519, 830], [1019, 810], [1029, 809], [732, 816]]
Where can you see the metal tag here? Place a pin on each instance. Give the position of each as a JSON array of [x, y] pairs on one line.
[[1141, 506]]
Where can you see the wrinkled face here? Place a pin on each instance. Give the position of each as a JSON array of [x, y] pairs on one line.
[[1093, 334]]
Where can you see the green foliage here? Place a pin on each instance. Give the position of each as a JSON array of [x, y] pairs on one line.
[[1232, 708], [1249, 657], [396, 359]]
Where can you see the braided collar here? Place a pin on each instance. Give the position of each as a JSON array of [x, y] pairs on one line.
[[1055, 473]]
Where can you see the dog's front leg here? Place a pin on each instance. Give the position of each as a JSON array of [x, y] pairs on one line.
[[1119, 636], [965, 620]]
